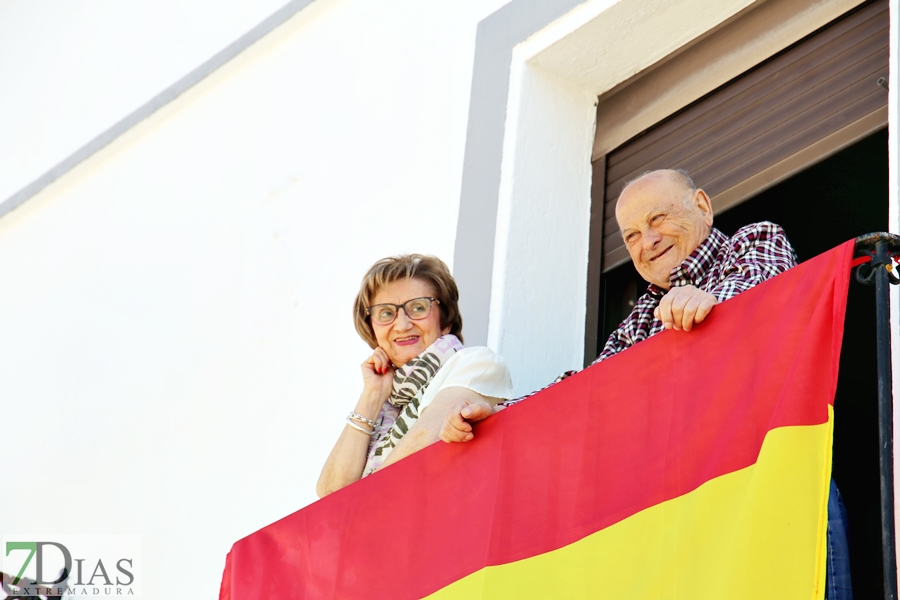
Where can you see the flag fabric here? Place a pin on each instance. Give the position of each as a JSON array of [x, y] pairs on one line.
[[693, 465]]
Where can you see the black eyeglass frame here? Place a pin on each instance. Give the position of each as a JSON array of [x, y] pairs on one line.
[[397, 308]]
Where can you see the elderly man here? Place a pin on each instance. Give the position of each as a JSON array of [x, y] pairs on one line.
[[666, 222]]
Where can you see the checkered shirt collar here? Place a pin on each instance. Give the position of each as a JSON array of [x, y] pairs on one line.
[[695, 266]]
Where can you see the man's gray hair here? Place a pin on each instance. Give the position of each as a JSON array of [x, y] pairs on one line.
[[680, 175]]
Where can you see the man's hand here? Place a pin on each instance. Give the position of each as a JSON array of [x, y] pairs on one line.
[[457, 426], [683, 306]]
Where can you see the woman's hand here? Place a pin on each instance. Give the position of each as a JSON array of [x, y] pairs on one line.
[[457, 427], [378, 377], [348, 457]]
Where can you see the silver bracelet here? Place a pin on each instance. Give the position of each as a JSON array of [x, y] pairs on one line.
[[361, 419], [359, 427]]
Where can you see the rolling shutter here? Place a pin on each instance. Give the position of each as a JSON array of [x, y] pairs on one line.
[[802, 105]]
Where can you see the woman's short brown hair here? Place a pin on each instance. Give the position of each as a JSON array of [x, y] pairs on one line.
[[429, 269]]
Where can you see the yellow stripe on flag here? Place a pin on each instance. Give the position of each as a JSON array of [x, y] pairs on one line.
[[755, 533]]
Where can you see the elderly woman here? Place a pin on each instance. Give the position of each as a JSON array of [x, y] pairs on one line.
[[419, 370]]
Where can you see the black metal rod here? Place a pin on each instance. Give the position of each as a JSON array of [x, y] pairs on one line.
[[881, 247], [885, 419]]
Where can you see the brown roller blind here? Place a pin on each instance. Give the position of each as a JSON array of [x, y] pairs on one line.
[[797, 108]]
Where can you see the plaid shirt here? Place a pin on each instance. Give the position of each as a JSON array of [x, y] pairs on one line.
[[721, 266]]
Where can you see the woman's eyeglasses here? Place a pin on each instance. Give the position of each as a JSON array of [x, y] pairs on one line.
[[415, 309]]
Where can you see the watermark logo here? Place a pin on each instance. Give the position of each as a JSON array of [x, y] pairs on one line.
[[71, 566]]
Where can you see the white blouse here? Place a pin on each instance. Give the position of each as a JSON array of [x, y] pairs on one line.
[[476, 368]]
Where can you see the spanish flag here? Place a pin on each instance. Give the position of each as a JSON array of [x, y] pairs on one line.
[[694, 465]]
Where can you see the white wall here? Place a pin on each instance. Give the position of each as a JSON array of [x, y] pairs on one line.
[[71, 69], [176, 348]]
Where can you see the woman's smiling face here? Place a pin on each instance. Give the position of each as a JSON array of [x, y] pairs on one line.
[[405, 338]]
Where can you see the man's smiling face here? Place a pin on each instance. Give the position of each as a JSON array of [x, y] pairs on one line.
[[662, 222]]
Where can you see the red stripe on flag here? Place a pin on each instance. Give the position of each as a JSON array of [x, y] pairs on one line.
[[648, 425]]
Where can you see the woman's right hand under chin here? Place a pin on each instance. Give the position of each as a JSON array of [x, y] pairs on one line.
[[378, 378]]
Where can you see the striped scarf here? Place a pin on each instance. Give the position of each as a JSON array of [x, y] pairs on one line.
[[401, 411]]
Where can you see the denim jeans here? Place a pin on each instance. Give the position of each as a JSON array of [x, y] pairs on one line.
[[837, 570]]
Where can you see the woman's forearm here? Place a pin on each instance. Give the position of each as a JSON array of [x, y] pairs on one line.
[[347, 459], [427, 429]]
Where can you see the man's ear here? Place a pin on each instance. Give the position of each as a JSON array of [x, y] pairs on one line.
[[701, 199]]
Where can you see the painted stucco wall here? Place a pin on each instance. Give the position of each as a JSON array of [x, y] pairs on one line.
[[72, 69], [176, 348]]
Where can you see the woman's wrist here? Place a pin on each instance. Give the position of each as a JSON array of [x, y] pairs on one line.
[[369, 405]]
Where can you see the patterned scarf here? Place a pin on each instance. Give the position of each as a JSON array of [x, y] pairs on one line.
[[401, 411]]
